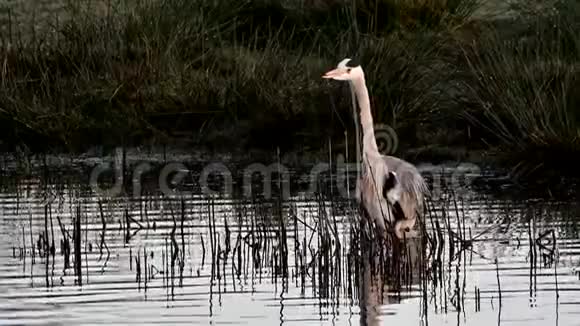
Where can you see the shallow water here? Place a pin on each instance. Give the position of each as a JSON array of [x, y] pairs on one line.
[[69, 256]]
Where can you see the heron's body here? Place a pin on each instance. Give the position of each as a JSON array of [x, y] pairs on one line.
[[401, 203], [390, 189]]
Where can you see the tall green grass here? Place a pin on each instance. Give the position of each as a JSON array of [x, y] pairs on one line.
[[526, 89], [248, 73], [135, 70]]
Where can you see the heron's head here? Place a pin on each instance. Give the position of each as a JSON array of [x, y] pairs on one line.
[[344, 71]]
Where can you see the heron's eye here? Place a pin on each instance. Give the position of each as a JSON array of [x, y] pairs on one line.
[[348, 70]]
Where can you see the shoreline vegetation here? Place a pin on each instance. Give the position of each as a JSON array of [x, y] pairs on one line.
[[452, 82]]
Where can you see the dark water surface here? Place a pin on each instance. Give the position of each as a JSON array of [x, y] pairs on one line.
[[69, 256]]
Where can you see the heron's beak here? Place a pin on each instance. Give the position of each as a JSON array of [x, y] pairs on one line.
[[334, 73]]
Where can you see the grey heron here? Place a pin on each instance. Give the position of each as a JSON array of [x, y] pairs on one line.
[[390, 189]]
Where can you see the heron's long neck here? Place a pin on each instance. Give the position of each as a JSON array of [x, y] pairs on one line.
[[366, 118]]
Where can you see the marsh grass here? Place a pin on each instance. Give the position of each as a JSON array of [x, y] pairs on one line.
[[214, 72], [526, 92], [175, 68]]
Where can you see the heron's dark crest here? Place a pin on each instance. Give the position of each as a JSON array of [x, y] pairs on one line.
[[349, 63]]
